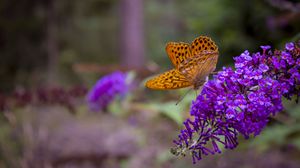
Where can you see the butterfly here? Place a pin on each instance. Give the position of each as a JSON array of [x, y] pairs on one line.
[[192, 64]]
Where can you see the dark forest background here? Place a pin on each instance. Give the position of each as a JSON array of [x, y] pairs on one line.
[[42, 41]]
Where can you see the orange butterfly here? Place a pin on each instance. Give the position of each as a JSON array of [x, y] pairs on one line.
[[193, 63]]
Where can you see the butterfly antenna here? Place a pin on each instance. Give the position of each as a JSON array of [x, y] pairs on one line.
[[183, 96]]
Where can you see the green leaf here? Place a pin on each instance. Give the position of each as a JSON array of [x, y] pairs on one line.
[[169, 109], [295, 112]]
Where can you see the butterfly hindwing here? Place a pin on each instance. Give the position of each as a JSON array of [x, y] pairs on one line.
[[171, 79], [209, 64], [178, 52], [199, 66]]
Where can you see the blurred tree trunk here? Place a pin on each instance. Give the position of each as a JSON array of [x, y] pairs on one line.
[[132, 34], [51, 40]]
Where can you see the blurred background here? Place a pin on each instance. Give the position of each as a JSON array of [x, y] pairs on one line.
[[53, 51]]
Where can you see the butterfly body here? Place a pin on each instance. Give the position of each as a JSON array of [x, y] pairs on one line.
[[193, 63]]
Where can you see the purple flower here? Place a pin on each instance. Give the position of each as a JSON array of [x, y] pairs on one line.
[[106, 90], [265, 47], [289, 46], [240, 101], [263, 67]]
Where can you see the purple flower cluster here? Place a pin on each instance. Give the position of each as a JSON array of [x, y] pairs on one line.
[[240, 101], [106, 90]]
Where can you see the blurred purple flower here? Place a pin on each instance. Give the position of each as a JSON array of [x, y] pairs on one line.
[[106, 90], [240, 101], [77, 91], [22, 97]]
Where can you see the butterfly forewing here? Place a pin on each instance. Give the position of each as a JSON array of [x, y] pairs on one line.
[[171, 79], [203, 43], [178, 52]]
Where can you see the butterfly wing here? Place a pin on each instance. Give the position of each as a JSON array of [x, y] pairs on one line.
[[178, 52], [209, 64], [198, 67], [201, 44], [192, 64], [171, 79]]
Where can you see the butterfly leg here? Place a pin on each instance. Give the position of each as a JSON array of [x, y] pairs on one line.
[[183, 96]]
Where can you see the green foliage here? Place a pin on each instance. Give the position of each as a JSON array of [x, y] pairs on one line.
[[278, 135], [238, 26], [175, 110], [10, 145], [285, 133], [169, 109]]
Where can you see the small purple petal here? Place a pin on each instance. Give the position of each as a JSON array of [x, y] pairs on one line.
[[265, 47], [290, 46], [263, 67]]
